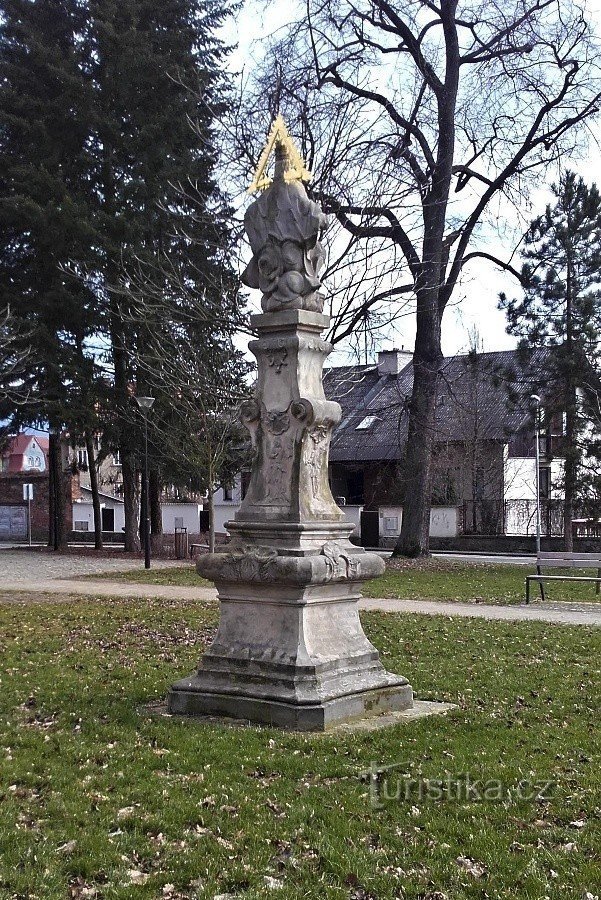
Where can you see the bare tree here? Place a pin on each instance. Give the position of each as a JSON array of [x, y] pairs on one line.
[[425, 124], [15, 354], [187, 361]]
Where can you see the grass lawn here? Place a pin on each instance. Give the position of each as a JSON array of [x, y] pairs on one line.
[[179, 576], [98, 801], [433, 579]]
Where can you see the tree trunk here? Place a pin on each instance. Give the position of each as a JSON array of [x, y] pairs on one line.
[[57, 485], [211, 499], [94, 488], [51, 496], [156, 516], [211, 521], [131, 506], [414, 539], [571, 464], [432, 294]]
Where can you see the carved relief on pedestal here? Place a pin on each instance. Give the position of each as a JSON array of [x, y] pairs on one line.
[[279, 450], [316, 456], [340, 565], [249, 564], [277, 358]]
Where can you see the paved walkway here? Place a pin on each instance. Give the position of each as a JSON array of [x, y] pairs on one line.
[[41, 573], [35, 566], [561, 613]]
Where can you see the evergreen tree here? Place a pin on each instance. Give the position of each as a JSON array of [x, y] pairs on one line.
[[561, 308], [107, 150], [44, 222], [158, 93]]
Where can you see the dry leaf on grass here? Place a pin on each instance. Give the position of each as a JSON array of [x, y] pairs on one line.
[[476, 869]]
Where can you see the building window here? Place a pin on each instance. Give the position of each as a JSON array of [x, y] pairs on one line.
[[545, 482], [228, 492], [80, 525], [82, 458], [366, 423], [116, 457]]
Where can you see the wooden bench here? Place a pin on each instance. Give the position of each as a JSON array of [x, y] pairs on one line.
[[194, 547], [564, 560]]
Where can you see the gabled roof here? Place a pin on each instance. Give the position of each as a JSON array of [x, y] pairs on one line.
[[482, 397], [17, 446], [88, 490]]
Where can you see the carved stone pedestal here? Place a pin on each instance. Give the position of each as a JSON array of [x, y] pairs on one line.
[[290, 650]]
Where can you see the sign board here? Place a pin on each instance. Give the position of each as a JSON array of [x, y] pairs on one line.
[[28, 492], [13, 522]]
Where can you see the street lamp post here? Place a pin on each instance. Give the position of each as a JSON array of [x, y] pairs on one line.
[[145, 404], [535, 399]]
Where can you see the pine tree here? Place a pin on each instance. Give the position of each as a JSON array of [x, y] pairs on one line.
[[158, 93], [107, 151], [44, 222], [561, 308]]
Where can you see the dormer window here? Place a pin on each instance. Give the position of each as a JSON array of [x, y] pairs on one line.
[[366, 423]]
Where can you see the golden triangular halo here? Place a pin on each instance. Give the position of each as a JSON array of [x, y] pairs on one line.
[[297, 170]]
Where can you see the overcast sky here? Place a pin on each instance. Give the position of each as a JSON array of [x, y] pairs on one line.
[[474, 304]]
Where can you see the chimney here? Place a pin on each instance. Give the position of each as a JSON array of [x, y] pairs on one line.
[[391, 362]]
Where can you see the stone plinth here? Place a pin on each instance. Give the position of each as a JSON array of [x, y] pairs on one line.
[[290, 650]]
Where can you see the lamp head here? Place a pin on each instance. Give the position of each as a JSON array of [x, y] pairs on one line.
[[144, 403]]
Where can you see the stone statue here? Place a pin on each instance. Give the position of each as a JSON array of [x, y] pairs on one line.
[[290, 649], [284, 227]]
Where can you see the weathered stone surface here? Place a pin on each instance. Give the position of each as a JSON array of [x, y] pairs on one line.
[[290, 649], [283, 227]]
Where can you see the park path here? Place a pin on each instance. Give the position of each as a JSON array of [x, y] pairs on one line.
[[38, 576]]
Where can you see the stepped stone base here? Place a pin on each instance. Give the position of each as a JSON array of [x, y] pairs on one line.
[[188, 698], [290, 650]]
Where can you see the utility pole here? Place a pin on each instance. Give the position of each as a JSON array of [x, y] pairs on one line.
[[145, 404]]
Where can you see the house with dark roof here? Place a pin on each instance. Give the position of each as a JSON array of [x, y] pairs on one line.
[[483, 469]]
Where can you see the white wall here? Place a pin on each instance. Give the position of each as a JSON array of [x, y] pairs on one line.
[[33, 458], [218, 497], [189, 512], [520, 492], [224, 512], [353, 514], [83, 512], [520, 478], [444, 521]]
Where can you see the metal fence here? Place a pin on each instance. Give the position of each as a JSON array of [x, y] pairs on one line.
[[512, 517]]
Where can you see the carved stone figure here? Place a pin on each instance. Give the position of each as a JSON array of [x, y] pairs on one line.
[[283, 227]]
